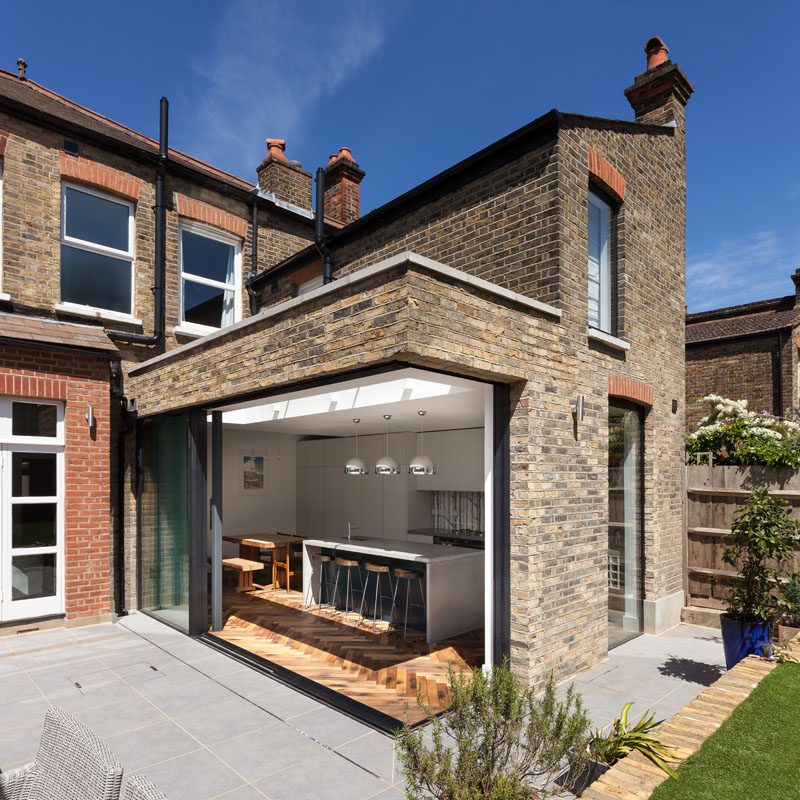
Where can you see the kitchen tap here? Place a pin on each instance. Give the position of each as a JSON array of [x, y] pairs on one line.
[[351, 528]]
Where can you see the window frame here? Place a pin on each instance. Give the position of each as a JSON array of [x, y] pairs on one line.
[[606, 322], [208, 232], [99, 249]]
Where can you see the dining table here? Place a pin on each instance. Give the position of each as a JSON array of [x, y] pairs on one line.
[[280, 544]]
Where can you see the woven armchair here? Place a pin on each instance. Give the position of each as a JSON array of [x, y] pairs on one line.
[[141, 788], [71, 764]]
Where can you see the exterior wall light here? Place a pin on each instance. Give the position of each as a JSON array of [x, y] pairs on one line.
[[578, 408]]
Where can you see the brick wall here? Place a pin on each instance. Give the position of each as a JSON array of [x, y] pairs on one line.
[[79, 381]]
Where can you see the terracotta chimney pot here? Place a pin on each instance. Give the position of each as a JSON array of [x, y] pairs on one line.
[[656, 52], [22, 66], [344, 152], [276, 148], [332, 158]]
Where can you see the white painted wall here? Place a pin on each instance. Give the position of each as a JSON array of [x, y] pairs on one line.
[[266, 513]]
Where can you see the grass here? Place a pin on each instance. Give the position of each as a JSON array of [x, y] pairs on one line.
[[755, 753]]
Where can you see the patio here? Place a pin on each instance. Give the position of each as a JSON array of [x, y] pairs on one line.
[[203, 726]]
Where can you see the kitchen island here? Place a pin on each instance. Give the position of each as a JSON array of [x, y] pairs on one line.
[[453, 577]]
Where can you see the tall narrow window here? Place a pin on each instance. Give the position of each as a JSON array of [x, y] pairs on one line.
[[96, 250], [599, 224], [209, 279]]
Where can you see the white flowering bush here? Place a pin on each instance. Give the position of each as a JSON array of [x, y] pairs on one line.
[[735, 435]]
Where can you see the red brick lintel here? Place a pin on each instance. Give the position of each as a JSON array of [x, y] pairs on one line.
[[211, 215], [3, 142], [93, 173], [630, 389], [17, 385], [307, 272], [612, 181]]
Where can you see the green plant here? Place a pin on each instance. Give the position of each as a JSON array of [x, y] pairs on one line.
[[620, 740], [789, 600], [496, 741], [764, 534]]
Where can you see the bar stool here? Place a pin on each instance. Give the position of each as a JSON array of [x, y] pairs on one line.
[[349, 595], [408, 575], [323, 562], [377, 570]]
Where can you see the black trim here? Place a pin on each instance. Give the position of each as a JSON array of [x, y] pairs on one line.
[[330, 697], [196, 451], [87, 352], [501, 523]]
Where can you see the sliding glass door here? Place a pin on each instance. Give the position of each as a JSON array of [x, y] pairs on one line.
[[625, 522]]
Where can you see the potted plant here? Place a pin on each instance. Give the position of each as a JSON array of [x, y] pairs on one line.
[[764, 535]]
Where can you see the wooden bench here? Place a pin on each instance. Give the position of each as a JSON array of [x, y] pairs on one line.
[[245, 567]]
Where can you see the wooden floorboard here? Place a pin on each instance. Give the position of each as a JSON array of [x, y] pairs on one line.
[[376, 668]]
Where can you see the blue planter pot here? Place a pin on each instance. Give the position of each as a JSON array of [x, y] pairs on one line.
[[741, 639]]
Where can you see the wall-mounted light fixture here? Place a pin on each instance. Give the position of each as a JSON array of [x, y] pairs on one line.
[[578, 408], [90, 420]]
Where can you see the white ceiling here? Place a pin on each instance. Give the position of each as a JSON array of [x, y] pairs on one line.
[[450, 403]]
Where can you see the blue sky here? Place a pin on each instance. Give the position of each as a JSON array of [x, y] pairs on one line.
[[412, 87]]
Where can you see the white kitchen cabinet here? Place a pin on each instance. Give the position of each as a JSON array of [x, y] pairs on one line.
[[476, 467], [395, 520], [458, 456], [316, 499], [302, 454], [371, 506], [316, 452], [352, 489], [372, 448], [332, 453], [301, 501], [332, 500]]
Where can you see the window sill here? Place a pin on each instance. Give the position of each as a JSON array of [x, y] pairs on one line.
[[195, 331], [607, 339], [96, 313], [5, 296]]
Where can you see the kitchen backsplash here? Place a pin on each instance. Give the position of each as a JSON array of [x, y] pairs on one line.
[[454, 510]]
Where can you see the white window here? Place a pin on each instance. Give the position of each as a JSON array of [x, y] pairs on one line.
[[97, 252], [31, 508], [210, 278], [599, 228]]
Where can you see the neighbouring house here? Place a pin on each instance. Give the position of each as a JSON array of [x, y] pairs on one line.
[[745, 352], [449, 417]]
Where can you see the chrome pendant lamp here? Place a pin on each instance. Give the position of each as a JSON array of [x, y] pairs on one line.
[[356, 465], [387, 465], [422, 465]]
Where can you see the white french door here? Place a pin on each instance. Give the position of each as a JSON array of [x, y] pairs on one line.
[[31, 509]]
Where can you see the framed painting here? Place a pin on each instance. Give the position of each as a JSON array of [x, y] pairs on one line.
[[252, 478]]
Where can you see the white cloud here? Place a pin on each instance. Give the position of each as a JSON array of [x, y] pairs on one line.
[[742, 269], [271, 61]]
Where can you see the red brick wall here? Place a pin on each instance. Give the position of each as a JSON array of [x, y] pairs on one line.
[[80, 381]]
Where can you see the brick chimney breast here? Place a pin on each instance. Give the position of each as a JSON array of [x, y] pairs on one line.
[[287, 180], [342, 181], [660, 93]]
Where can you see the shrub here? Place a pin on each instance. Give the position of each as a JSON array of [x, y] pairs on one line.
[[737, 436], [764, 534], [497, 741]]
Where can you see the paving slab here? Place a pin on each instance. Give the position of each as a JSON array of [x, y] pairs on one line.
[[212, 725], [330, 727], [143, 747], [375, 752]]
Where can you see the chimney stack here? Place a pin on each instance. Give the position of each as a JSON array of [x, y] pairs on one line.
[[660, 93], [285, 179], [342, 193]]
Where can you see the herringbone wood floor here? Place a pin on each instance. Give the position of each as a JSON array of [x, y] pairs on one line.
[[378, 669]]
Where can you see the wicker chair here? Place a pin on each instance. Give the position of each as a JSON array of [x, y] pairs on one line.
[[140, 787], [71, 764]]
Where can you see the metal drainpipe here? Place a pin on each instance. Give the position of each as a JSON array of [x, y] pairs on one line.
[[780, 373], [253, 262], [160, 234], [119, 522], [319, 228]]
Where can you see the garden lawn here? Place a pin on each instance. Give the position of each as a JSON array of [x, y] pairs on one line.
[[755, 754]]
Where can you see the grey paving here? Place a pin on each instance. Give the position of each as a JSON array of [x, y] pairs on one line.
[[203, 726]]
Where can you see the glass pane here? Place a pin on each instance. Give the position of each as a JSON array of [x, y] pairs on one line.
[[206, 257], [624, 524], [33, 419], [33, 525], [94, 280], [33, 474], [96, 220], [165, 502], [202, 304], [33, 576]]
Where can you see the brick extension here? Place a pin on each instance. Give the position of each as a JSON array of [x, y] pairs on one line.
[[636, 778]]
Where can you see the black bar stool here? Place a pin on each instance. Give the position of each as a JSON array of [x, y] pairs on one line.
[[349, 595], [377, 570], [408, 575], [321, 578]]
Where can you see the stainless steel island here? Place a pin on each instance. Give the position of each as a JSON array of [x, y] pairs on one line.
[[453, 578]]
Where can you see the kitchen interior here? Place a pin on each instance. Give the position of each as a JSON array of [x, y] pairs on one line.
[[353, 533]]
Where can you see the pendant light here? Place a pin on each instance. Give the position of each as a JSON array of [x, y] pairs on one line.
[[387, 465], [356, 465], [422, 465]]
